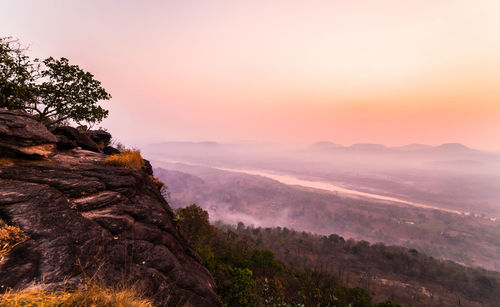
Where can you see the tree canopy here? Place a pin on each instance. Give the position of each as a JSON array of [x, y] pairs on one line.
[[247, 275], [53, 89], [17, 75]]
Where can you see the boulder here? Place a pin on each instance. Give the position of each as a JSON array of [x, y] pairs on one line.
[[78, 138], [110, 150], [100, 137], [22, 135], [63, 143]]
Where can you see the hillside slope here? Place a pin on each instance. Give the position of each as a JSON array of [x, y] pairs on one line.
[[88, 219]]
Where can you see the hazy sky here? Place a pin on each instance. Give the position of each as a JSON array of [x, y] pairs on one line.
[[391, 72]]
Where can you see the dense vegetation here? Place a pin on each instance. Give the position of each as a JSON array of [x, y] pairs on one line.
[[250, 276], [402, 274], [279, 266]]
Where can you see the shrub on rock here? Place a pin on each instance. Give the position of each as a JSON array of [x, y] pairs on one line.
[[10, 236]]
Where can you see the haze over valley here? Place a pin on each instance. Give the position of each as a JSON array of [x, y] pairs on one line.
[[441, 200]]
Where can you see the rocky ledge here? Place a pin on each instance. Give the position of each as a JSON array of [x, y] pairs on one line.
[[87, 219], [22, 135]]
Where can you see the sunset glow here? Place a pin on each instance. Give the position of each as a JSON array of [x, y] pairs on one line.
[[391, 72]]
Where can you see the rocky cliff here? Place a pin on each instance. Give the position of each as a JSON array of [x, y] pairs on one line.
[[88, 219]]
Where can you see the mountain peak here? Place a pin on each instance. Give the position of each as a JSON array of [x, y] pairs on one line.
[[322, 145], [454, 146], [367, 146]]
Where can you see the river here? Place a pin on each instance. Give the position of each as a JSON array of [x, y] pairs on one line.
[[320, 185]]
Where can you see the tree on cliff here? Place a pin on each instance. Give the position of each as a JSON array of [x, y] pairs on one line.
[[53, 90], [17, 74]]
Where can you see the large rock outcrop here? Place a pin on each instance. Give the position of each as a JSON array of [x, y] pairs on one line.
[[21, 134], [85, 218], [67, 134], [100, 137]]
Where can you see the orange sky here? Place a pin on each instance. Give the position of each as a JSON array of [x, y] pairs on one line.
[[391, 72]]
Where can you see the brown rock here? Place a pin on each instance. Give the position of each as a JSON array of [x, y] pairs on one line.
[[110, 150], [88, 219], [83, 216], [75, 136], [22, 135], [100, 137], [63, 143]]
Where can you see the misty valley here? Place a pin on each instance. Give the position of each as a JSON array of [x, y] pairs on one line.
[[441, 201], [369, 215]]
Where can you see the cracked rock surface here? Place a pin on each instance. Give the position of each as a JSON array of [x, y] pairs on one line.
[[87, 218]]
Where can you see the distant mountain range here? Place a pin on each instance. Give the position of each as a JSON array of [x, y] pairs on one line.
[[215, 151], [444, 148], [323, 145]]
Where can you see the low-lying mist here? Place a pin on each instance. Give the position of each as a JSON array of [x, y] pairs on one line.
[[443, 201], [449, 176]]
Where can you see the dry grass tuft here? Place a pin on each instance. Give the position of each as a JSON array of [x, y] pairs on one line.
[[95, 295], [10, 236], [128, 158], [91, 293]]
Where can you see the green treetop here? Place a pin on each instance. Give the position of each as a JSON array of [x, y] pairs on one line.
[[53, 90]]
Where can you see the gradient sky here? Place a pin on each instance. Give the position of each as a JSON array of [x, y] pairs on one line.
[[391, 72]]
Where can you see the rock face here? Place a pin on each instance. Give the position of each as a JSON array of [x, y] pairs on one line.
[[63, 143], [85, 218], [110, 150], [148, 168], [21, 134], [75, 137], [100, 137]]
